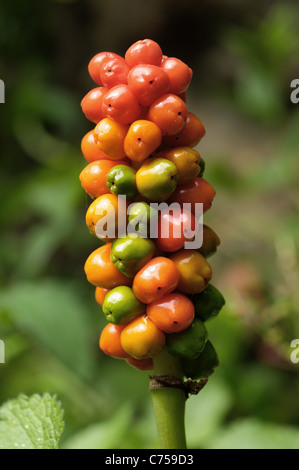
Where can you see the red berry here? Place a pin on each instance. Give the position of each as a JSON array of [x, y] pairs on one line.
[[169, 112], [179, 74], [94, 66], [121, 104], [91, 104], [114, 72], [148, 82], [145, 51], [192, 132]]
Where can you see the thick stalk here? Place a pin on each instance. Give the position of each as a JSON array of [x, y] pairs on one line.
[[169, 404]]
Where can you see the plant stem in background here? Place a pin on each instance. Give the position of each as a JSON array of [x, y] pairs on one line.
[[169, 404]]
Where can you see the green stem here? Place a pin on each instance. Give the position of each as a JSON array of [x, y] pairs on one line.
[[169, 404]]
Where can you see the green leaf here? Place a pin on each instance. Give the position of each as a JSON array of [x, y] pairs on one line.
[[54, 313], [251, 433], [34, 422]]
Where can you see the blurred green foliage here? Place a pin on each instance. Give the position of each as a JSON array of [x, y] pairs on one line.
[[244, 57]]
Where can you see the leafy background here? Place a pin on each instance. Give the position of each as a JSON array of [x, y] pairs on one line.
[[244, 55]]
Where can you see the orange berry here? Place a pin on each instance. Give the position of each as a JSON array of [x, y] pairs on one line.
[[142, 339], [102, 216], [190, 135], [101, 272], [109, 136], [142, 139], [90, 149], [169, 112], [195, 271], [100, 295], [186, 160], [93, 176], [110, 341], [171, 314], [158, 277]]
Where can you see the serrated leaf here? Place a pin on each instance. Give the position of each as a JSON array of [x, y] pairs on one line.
[[34, 422]]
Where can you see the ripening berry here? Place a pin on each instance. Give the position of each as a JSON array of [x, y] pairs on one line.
[[193, 192], [90, 149], [171, 314], [148, 82], [100, 295], [191, 134], [169, 112], [145, 51], [142, 139], [91, 104], [109, 136], [97, 62], [179, 74], [114, 72], [158, 277], [195, 271], [110, 341], [93, 176], [121, 104], [142, 339], [101, 272]]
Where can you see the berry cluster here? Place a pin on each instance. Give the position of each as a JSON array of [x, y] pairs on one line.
[[154, 293]]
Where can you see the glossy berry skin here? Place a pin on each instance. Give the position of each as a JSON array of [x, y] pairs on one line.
[[142, 138], [196, 191], [142, 339], [189, 136], [208, 303], [130, 254], [114, 72], [172, 313], [173, 227], [188, 344], [93, 176], [122, 306], [203, 366], [141, 364], [140, 216], [101, 272], [121, 104], [195, 271], [210, 243], [145, 51], [156, 179], [90, 150], [91, 104], [109, 136], [158, 277], [186, 160], [169, 112], [121, 181], [100, 295], [103, 214], [97, 62], [148, 82], [110, 341], [179, 74]]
